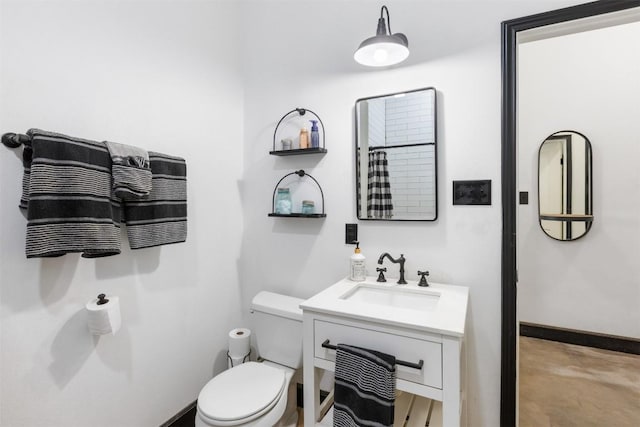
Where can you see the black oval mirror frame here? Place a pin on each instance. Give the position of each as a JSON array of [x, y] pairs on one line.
[[565, 185]]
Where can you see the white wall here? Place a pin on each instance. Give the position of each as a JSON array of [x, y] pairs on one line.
[[152, 74], [299, 53], [586, 82], [158, 74]]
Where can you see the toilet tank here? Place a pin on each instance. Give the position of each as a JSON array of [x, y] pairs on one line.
[[277, 322]]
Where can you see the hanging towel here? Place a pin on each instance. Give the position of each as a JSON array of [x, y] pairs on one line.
[[379, 203], [365, 388], [130, 170], [67, 195], [161, 217]]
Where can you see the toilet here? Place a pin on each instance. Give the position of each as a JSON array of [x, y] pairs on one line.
[[260, 394]]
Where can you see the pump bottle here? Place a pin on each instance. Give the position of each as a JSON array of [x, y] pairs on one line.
[[357, 272], [315, 136]]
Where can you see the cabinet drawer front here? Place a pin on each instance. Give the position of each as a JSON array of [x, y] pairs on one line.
[[402, 347]]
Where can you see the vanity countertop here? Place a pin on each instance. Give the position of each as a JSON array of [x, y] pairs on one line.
[[445, 315]]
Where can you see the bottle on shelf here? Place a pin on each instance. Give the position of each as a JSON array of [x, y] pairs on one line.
[[304, 138], [315, 136]]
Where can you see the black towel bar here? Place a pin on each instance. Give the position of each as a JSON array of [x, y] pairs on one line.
[[418, 365]]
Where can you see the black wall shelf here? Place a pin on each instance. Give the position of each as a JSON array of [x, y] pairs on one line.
[[298, 215], [298, 151], [567, 217], [301, 173]]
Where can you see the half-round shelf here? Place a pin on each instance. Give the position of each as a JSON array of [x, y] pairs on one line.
[[567, 217], [298, 215], [298, 151]]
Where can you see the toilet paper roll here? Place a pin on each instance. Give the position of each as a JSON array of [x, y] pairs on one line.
[[104, 318], [239, 342]]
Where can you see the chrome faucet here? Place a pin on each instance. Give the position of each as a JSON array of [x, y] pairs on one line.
[[400, 261]]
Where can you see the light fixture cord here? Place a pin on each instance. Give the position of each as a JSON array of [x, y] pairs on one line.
[[384, 9]]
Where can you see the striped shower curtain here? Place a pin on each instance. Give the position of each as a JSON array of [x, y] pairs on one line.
[[379, 190]]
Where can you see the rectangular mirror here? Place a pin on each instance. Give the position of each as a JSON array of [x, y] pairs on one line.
[[396, 166]]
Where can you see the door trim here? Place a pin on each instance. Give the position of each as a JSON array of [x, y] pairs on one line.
[[510, 29]]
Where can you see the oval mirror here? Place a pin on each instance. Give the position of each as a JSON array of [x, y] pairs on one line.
[[396, 164], [565, 190]]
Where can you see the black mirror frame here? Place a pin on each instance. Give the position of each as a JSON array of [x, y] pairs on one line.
[[590, 184], [435, 152]]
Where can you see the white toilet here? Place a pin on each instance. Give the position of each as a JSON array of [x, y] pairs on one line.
[[260, 394]]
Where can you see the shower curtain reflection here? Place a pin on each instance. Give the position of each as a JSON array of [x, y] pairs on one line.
[[379, 203]]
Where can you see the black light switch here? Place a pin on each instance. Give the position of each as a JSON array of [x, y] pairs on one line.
[[472, 192], [351, 234], [524, 197]]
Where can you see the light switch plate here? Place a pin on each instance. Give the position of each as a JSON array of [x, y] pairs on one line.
[[476, 192], [350, 234]]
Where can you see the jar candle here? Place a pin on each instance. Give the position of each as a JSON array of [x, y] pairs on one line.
[[286, 143], [283, 201], [308, 207]]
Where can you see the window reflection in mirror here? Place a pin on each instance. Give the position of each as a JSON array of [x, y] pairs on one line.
[[565, 199], [396, 156]]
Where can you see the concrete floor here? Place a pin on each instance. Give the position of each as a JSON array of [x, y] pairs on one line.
[[565, 385]]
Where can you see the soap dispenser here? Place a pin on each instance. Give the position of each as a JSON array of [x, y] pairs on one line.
[[357, 273], [315, 136], [304, 138]]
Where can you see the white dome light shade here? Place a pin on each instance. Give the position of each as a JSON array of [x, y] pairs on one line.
[[382, 51], [384, 48]]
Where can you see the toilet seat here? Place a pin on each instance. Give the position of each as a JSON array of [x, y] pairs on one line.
[[241, 394]]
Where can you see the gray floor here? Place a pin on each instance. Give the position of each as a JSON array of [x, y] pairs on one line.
[[565, 385]]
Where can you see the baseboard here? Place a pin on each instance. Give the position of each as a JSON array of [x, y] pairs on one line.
[[186, 417], [587, 339]]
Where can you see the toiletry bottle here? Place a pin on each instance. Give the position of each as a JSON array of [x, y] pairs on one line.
[[315, 136], [304, 138], [357, 273]]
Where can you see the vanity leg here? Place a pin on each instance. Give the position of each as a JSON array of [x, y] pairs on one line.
[[451, 389], [311, 376]]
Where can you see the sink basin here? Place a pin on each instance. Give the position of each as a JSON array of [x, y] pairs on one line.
[[393, 296]]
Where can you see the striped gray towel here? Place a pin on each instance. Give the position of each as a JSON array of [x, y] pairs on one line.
[[130, 170], [365, 388], [66, 191], [161, 217]]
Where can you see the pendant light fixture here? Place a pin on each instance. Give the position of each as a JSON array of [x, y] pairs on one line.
[[384, 48]]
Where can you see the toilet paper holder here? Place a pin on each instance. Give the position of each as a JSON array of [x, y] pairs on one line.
[[244, 359]]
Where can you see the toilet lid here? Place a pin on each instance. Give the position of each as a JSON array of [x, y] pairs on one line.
[[243, 392]]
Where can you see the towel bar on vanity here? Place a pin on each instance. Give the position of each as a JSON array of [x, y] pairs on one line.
[[418, 365]]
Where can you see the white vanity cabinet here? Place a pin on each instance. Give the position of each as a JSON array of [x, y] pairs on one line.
[[410, 334]]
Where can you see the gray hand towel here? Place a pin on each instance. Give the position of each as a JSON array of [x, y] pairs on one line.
[[130, 169]]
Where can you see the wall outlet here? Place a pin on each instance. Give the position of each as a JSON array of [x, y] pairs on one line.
[[476, 192], [350, 234]]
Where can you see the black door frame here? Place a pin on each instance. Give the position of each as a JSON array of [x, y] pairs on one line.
[[510, 30]]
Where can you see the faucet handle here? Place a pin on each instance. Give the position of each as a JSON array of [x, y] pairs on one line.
[[423, 279], [381, 275]]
